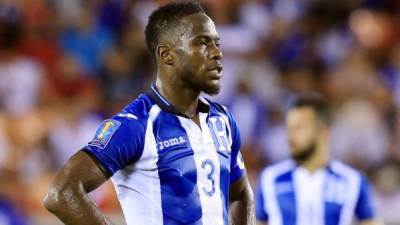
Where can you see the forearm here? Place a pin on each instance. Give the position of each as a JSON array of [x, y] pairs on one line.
[[370, 222], [67, 195], [74, 207], [242, 209]]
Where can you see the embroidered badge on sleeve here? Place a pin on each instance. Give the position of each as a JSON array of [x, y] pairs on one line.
[[104, 133]]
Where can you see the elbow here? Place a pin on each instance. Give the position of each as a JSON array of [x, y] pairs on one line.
[[55, 199], [52, 200]]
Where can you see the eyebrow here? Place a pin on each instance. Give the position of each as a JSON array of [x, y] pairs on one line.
[[208, 37]]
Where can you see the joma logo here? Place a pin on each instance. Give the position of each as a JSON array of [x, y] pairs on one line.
[[171, 142]]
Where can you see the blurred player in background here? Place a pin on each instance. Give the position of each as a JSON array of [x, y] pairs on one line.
[[311, 189], [173, 156]]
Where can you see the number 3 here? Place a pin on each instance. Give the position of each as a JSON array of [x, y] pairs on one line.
[[210, 176]]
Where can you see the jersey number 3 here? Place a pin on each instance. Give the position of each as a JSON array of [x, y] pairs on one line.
[[210, 190]]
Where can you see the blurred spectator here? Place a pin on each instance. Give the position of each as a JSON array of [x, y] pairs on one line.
[[359, 135], [4, 145], [39, 33], [20, 77], [391, 73], [87, 40], [248, 111], [359, 132], [68, 83], [387, 191], [254, 11], [114, 15], [274, 143], [30, 158], [119, 79], [70, 131], [20, 80], [333, 46], [67, 10]]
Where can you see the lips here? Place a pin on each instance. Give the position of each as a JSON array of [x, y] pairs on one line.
[[218, 68], [216, 71]]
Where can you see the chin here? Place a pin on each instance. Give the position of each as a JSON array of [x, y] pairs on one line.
[[212, 89], [303, 155]]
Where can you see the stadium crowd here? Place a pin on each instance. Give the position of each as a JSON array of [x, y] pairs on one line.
[[65, 65]]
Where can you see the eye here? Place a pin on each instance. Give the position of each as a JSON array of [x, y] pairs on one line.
[[218, 44], [203, 43]]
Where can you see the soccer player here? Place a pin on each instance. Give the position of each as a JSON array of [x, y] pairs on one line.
[[311, 189], [173, 156]]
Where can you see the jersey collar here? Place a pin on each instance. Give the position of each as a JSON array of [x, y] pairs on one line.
[[165, 105]]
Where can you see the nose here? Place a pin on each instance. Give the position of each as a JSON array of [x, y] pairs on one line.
[[215, 53]]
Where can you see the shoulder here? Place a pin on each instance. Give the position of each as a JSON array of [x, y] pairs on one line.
[[275, 170], [137, 112], [343, 170], [122, 127], [353, 177], [138, 109]]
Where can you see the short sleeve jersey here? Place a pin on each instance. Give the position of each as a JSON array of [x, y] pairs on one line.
[[334, 195], [167, 169]]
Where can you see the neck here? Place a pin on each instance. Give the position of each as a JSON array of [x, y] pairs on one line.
[[319, 160], [180, 96]]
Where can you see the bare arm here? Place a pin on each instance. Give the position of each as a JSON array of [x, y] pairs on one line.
[[67, 195], [242, 203], [370, 222]]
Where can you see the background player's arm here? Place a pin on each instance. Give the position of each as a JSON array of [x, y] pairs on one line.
[[370, 222], [242, 203], [67, 195], [261, 212]]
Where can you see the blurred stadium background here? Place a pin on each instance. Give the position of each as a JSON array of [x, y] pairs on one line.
[[67, 64]]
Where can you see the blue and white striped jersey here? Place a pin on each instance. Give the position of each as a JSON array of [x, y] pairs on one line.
[[334, 195], [165, 168]]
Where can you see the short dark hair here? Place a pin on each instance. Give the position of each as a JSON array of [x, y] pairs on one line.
[[167, 18], [316, 102]]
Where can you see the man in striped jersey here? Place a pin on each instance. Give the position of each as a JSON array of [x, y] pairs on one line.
[[311, 189], [173, 156]]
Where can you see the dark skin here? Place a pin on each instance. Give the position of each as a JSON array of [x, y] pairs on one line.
[[190, 64], [186, 66]]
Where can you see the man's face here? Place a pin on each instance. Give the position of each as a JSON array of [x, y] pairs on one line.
[[199, 56], [303, 130]]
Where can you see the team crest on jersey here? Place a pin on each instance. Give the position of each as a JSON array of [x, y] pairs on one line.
[[104, 133], [218, 133]]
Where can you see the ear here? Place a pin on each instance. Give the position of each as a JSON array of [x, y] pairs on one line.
[[165, 55]]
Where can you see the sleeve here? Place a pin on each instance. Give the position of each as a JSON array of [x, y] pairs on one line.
[[261, 212], [237, 163], [364, 207], [117, 142]]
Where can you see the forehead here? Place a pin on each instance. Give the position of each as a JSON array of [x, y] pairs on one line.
[[302, 114], [199, 24]]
